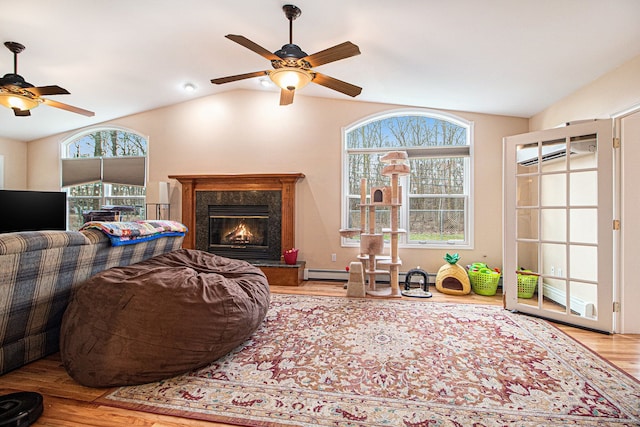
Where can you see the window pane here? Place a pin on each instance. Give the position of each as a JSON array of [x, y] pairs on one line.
[[354, 213], [77, 206], [436, 219], [437, 176], [367, 166], [407, 131]]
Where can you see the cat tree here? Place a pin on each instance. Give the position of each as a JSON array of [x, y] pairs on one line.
[[372, 254]]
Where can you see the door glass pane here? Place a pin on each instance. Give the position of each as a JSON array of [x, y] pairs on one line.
[[555, 295], [554, 154], [584, 188], [527, 256], [527, 157], [583, 225], [527, 190], [528, 289], [527, 223], [553, 190], [584, 152], [584, 262], [554, 259], [554, 224], [584, 299]]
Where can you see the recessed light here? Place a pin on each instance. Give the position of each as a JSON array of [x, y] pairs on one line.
[[189, 87], [265, 82]]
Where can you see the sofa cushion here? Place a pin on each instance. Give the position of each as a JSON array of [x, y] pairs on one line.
[[160, 317]]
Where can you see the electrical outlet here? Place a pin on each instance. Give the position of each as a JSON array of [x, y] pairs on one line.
[[333, 257], [553, 270]]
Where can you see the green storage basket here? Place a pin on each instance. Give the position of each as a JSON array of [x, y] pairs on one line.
[[527, 284], [484, 281]]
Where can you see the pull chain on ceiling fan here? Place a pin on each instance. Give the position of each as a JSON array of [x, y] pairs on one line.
[[21, 96], [292, 67]]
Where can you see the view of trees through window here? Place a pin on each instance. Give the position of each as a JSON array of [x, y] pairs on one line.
[[96, 195], [435, 196]]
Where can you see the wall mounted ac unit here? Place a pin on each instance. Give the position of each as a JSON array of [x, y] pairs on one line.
[[529, 156]]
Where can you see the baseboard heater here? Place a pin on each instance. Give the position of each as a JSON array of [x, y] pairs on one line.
[[578, 306], [343, 275]]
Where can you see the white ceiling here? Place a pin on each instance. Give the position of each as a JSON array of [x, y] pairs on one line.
[[120, 57]]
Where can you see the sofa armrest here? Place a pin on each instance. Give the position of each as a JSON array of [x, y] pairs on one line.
[[25, 241], [95, 236]]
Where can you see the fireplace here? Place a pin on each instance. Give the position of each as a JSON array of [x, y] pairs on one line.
[[239, 224], [263, 202]]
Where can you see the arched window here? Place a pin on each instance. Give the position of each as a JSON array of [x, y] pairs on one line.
[[436, 196], [104, 169]]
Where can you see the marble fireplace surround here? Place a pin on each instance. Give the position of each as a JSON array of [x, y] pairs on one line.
[[284, 183]]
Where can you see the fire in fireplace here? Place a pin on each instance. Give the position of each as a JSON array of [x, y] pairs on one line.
[[239, 231]]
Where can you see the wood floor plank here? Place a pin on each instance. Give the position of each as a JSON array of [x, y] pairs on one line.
[[68, 404]]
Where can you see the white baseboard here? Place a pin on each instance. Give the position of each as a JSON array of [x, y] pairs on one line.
[[312, 274]]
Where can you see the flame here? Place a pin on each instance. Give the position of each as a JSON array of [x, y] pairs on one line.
[[240, 234]]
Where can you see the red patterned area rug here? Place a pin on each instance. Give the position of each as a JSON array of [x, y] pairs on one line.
[[325, 361]]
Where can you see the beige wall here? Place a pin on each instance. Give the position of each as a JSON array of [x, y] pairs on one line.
[[614, 92], [247, 132], [15, 164]]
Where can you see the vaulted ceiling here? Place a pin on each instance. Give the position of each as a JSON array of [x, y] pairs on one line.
[[120, 57]]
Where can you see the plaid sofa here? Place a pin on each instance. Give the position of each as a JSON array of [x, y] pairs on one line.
[[38, 272]]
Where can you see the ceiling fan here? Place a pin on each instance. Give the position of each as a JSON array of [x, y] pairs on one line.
[[21, 96], [292, 68]]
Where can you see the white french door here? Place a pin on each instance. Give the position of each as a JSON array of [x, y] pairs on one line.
[[558, 213]]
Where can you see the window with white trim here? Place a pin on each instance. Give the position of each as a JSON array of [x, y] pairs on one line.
[[104, 168], [436, 196]]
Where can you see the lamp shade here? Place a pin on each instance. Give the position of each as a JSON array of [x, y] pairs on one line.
[[14, 100], [163, 194], [290, 78]]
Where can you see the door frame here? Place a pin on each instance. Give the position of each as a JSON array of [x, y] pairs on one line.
[[607, 255]]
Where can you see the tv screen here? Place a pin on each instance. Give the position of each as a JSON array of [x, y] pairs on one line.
[[32, 210]]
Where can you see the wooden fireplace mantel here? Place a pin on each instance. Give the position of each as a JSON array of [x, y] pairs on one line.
[[284, 182]]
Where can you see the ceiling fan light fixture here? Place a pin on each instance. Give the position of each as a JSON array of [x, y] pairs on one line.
[[21, 102], [290, 78]]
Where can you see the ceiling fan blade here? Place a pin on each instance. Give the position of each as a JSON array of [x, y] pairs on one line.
[[237, 77], [47, 90], [338, 85], [335, 53], [241, 40], [68, 107], [21, 113], [286, 96]]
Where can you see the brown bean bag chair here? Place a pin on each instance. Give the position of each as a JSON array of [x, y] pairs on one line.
[[160, 317]]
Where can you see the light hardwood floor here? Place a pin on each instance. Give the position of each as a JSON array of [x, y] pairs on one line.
[[70, 404]]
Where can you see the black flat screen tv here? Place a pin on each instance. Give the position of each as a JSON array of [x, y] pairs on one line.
[[32, 210]]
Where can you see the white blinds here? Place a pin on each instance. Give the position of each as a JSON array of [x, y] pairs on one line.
[[113, 170]]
